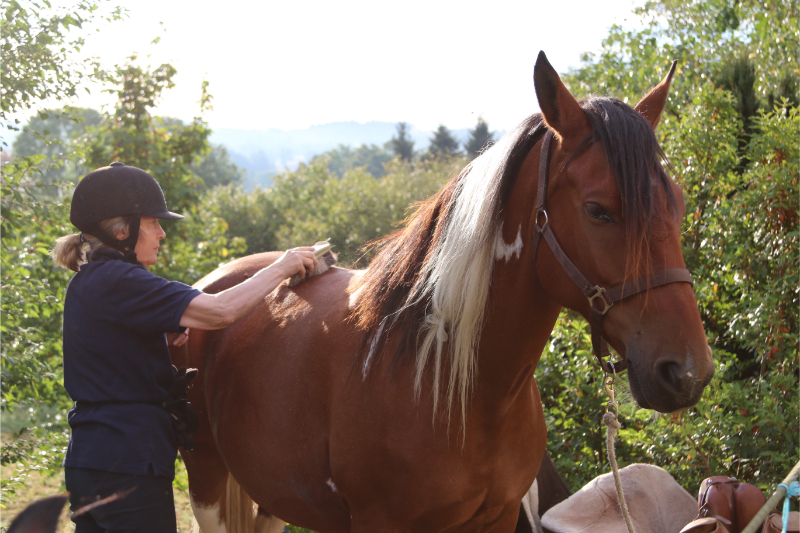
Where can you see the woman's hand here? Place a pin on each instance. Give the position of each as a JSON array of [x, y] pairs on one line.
[[296, 261], [181, 339]]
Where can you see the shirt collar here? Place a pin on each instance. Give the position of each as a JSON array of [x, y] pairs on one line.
[[105, 254]]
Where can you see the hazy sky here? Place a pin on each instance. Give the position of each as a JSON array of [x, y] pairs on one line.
[[291, 64]]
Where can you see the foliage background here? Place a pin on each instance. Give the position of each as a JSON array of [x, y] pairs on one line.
[[730, 133]]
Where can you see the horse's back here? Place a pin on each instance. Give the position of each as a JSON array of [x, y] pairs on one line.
[[235, 272]]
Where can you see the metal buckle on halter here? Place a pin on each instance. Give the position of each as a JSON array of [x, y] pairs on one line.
[[600, 292], [541, 228]]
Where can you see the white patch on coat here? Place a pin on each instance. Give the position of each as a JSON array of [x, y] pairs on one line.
[[504, 250], [331, 485], [208, 517]]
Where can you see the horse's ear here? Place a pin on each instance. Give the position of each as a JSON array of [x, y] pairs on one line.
[[652, 105], [561, 111]]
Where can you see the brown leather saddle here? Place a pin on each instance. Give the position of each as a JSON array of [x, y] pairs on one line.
[[725, 505]]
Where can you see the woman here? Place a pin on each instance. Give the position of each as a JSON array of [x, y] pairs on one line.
[[117, 366]]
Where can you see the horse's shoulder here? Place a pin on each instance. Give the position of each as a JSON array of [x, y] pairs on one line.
[[235, 272]]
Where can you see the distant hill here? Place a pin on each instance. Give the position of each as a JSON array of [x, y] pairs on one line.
[[262, 153]]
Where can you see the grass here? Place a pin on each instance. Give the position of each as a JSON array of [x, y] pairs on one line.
[[38, 486]]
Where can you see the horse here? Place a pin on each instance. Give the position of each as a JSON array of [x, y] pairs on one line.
[[401, 397]]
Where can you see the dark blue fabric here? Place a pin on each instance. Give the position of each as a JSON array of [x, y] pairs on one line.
[[149, 508], [115, 350]]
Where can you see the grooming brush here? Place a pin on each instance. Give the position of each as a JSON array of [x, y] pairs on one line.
[[325, 260]]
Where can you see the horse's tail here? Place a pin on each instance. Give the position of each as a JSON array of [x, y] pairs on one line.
[[240, 511], [242, 514]]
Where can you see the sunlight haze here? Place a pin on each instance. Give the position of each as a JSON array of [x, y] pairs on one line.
[[290, 65]]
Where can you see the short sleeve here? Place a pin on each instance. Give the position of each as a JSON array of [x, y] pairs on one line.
[[146, 303]]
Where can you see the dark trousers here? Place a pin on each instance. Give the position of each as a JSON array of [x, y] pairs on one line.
[[148, 508]]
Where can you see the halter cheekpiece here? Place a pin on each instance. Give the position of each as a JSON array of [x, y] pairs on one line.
[[600, 299]]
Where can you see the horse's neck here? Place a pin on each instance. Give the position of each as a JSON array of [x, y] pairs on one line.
[[519, 322], [520, 316]]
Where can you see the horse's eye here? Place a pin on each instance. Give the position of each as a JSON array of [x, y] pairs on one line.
[[598, 212]]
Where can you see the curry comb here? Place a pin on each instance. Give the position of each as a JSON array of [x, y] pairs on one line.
[[325, 260]]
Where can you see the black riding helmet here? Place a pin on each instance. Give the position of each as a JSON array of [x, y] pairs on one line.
[[117, 190]]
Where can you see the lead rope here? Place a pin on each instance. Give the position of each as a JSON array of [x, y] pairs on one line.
[[612, 426]]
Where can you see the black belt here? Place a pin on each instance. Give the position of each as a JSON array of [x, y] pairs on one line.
[[184, 417], [81, 403]]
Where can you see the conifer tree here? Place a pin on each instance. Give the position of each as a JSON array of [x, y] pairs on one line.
[[479, 138], [443, 143], [402, 144]]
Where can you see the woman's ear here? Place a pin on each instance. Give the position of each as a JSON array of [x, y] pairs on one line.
[[122, 234]]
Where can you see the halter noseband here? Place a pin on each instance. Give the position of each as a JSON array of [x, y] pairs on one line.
[[604, 298]]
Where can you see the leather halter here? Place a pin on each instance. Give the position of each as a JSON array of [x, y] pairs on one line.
[[600, 299]]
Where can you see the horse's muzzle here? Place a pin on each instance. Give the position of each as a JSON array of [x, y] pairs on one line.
[[671, 383]]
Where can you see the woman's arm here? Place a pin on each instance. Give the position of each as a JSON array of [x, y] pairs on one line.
[[216, 311]]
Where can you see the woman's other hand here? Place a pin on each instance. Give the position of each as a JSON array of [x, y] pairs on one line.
[[181, 339], [296, 261]]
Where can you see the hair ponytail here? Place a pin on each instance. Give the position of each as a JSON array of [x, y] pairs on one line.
[[68, 252]]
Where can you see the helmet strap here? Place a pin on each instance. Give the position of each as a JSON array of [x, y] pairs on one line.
[[127, 245]]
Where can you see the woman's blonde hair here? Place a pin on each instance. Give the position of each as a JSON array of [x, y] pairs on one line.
[[68, 251]]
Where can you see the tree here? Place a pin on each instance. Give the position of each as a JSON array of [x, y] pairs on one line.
[[443, 143], [165, 147], [479, 138], [371, 158], [51, 133], [39, 53], [402, 145], [39, 63], [216, 169], [701, 36], [313, 202]]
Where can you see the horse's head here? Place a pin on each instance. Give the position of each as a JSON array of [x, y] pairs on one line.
[[617, 215]]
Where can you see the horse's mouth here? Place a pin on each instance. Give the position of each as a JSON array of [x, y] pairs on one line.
[[649, 394], [636, 390]]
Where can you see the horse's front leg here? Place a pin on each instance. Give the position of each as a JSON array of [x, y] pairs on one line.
[[208, 481]]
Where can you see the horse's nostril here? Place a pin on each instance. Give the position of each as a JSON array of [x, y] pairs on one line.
[[669, 372]]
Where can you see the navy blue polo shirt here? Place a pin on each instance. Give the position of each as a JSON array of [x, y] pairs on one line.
[[115, 350]]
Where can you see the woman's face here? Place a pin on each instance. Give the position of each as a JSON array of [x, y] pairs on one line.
[[150, 235]]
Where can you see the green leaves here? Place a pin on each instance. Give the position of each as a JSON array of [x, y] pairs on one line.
[[313, 203], [37, 449], [166, 148], [38, 52]]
